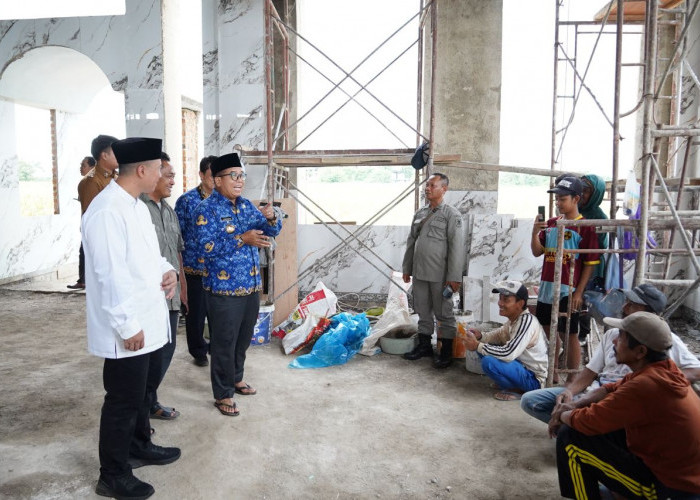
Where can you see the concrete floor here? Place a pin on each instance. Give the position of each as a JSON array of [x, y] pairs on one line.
[[378, 427]]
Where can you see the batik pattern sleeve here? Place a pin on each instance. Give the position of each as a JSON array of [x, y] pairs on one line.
[[192, 261]]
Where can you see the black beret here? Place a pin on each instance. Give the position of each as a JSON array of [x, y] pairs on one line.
[[137, 149], [100, 143], [230, 160]]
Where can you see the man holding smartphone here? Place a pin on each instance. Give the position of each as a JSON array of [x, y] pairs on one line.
[[435, 258]]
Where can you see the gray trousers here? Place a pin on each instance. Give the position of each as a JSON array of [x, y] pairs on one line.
[[428, 301]]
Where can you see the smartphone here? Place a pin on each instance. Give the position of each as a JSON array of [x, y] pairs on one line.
[[540, 213]]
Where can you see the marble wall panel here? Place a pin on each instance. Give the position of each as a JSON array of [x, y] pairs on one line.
[[242, 117], [347, 271]]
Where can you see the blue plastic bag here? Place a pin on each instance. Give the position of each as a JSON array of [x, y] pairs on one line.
[[340, 343]]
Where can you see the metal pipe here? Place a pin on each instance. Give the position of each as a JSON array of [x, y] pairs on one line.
[[675, 131], [556, 294], [676, 217], [419, 106], [433, 85], [647, 144], [616, 111], [349, 75], [553, 155], [688, 23], [352, 97], [268, 132], [679, 301]]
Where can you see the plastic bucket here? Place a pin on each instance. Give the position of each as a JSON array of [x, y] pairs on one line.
[[263, 327]]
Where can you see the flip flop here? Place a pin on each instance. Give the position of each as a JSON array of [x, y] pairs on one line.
[[164, 412], [227, 409], [507, 396], [246, 390]]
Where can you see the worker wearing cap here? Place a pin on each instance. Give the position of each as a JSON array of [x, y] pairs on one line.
[[567, 191], [514, 356], [434, 258], [128, 282], [639, 436], [547, 404], [229, 230]]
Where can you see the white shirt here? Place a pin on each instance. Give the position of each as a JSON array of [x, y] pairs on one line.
[[123, 272], [604, 364]]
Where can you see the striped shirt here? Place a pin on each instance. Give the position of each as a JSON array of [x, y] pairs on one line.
[[522, 339]]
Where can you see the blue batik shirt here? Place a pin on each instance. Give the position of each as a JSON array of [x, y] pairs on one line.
[[192, 262], [230, 266]]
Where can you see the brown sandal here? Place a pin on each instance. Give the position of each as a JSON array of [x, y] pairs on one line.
[[245, 390], [227, 409]]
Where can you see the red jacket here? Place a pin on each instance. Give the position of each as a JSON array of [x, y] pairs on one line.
[[660, 414]]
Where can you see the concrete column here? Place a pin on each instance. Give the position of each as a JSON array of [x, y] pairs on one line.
[[468, 90]]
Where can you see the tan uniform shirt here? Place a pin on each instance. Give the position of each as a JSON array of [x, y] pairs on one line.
[[435, 249], [95, 181]]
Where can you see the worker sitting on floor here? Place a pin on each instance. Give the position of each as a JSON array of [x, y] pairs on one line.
[[514, 355], [548, 404], [640, 436]]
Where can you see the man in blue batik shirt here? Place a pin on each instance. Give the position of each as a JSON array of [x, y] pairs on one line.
[[193, 263], [229, 230]]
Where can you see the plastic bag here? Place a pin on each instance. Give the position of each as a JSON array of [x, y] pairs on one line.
[[395, 314], [340, 343], [630, 202], [311, 338], [319, 303]]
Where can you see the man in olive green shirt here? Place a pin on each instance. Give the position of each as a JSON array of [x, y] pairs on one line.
[[171, 244], [435, 259]]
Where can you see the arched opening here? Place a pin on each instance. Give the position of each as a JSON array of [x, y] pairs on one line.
[[53, 101]]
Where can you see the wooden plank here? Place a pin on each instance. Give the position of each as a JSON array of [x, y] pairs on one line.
[[286, 270], [634, 11], [340, 160]]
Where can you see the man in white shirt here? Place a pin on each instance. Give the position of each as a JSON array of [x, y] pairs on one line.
[[545, 404], [514, 356], [127, 315]]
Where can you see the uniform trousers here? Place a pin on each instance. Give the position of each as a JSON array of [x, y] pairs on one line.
[[194, 319], [584, 461], [231, 326], [428, 301], [167, 357], [81, 265], [124, 425]]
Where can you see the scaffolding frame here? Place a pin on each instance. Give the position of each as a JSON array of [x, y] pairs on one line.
[[280, 155], [681, 221]]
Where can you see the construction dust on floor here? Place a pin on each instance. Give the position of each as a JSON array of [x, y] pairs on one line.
[[378, 427]]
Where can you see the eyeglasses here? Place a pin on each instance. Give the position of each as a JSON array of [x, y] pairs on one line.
[[234, 175]]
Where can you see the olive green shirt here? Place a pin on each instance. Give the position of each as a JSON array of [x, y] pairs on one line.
[[169, 238], [435, 249]]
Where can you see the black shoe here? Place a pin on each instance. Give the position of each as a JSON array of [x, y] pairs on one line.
[[422, 350], [203, 361], [126, 487], [79, 285], [155, 455], [444, 359]]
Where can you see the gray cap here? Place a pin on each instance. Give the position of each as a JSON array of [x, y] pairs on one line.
[[647, 328], [647, 295], [511, 288]]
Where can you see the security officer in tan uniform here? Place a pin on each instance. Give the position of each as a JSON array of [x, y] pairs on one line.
[[435, 258]]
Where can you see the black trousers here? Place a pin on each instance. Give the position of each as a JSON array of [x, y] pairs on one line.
[[166, 358], [194, 319], [81, 265], [124, 425], [584, 461], [231, 325]]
